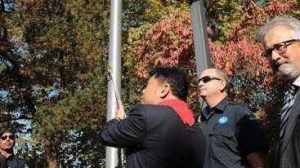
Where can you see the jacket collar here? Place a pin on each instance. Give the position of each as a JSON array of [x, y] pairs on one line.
[[219, 108]]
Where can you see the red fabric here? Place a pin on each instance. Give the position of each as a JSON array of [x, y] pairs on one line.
[[182, 109]]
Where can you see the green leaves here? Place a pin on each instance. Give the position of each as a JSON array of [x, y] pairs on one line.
[[63, 73]]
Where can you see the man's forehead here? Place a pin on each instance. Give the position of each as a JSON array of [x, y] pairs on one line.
[[156, 79], [153, 79], [7, 133], [278, 34], [208, 72]]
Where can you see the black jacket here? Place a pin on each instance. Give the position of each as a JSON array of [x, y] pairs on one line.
[[232, 133], [12, 162], [2, 162], [155, 137]]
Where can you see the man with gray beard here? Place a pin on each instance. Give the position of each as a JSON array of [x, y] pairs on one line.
[[281, 40]]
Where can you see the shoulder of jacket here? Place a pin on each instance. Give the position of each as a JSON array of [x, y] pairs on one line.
[[150, 107], [147, 110], [240, 109]]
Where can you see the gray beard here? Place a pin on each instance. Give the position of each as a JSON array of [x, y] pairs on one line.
[[290, 72]]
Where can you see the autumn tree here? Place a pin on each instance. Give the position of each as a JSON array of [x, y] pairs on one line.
[[63, 47], [54, 74], [232, 40]]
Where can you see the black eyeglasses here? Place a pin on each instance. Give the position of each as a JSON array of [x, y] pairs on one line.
[[206, 79], [280, 48], [10, 137]]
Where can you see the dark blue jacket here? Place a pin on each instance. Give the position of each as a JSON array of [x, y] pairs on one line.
[[155, 137], [12, 162], [232, 132]]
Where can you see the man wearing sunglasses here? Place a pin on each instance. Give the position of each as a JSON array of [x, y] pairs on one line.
[[7, 143], [161, 131], [233, 136], [281, 40]]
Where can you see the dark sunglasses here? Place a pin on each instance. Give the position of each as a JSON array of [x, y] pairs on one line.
[[206, 79], [10, 137], [280, 48]]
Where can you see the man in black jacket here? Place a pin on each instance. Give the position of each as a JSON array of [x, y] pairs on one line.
[[7, 143], [160, 132], [233, 136]]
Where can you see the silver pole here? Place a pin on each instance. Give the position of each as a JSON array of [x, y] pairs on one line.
[[115, 68], [202, 55]]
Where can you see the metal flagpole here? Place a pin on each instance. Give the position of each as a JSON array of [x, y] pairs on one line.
[[202, 55], [115, 71], [200, 35]]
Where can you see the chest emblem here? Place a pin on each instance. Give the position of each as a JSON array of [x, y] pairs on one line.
[[223, 120]]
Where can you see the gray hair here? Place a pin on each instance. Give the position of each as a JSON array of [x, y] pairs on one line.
[[225, 77], [290, 22]]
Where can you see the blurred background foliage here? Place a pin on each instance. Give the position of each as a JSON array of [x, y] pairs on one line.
[[53, 66]]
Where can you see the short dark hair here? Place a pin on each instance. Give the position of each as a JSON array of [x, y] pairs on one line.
[[6, 129], [175, 77]]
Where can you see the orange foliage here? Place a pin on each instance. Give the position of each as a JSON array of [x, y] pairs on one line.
[[254, 16], [243, 56], [168, 42]]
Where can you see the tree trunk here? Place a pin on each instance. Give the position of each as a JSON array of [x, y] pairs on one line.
[[51, 154], [52, 162]]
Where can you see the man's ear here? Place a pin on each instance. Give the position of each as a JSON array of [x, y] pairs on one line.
[[165, 90], [222, 85]]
